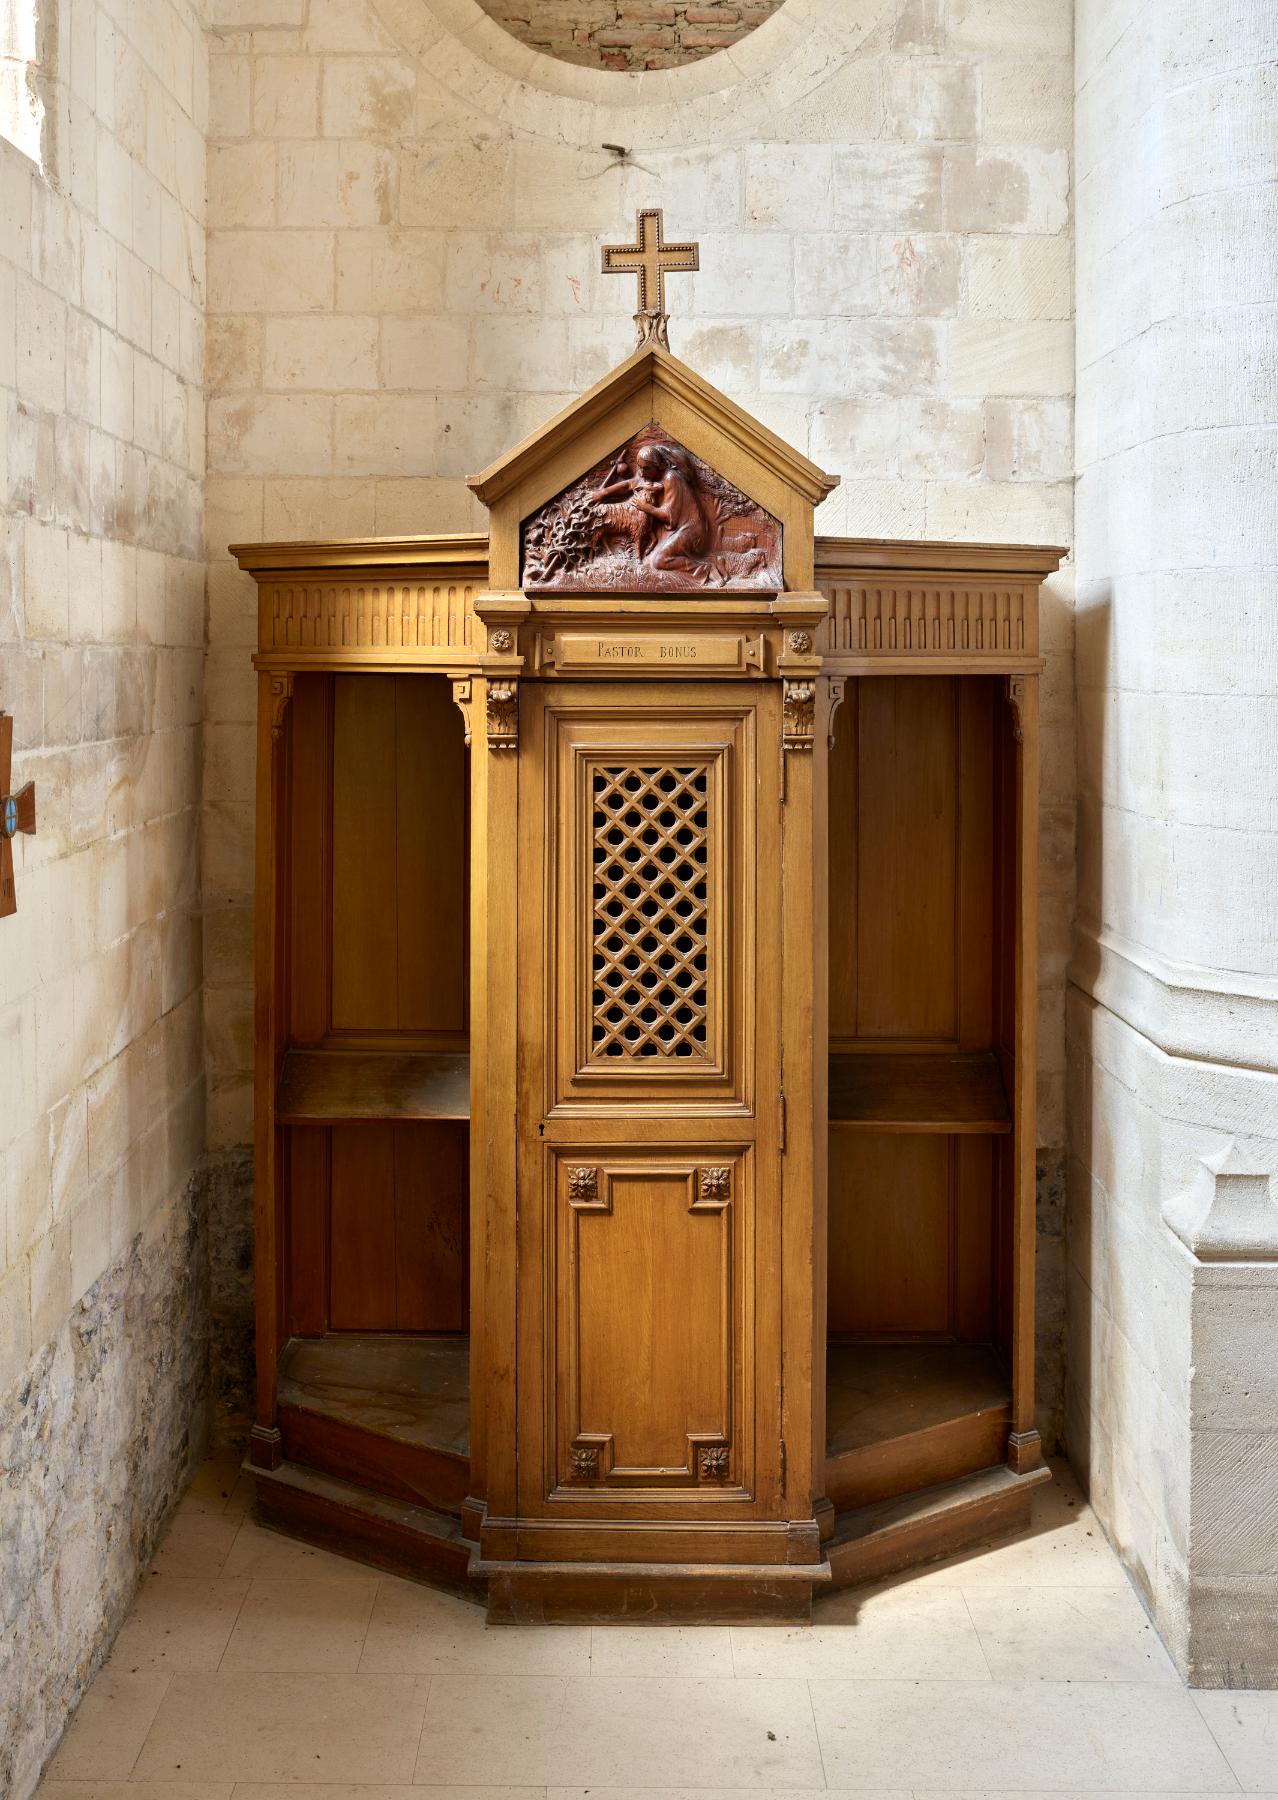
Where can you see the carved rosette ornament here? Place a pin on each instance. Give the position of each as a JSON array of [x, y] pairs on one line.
[[799, 643], [583, 1185], [714, 1183], [501, 639], [799, 705], [714, 1463], [583, 1459], [503, 715]]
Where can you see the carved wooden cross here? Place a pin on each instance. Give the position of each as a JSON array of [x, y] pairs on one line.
[[651, 259], [17, 813]]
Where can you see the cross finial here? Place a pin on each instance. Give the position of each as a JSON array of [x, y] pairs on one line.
[[650, 258]]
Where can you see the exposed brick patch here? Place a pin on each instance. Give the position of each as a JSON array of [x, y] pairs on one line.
[[629, 34]]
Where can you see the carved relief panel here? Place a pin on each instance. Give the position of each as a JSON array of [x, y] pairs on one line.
[[652, 518]]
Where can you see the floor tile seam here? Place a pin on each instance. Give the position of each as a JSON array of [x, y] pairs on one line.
[[1017, 1587], [1229, 1763], [239, 1613], [976, 1633], [421, 1730], [1032, 1681], [150, 1725], [816, 1736]]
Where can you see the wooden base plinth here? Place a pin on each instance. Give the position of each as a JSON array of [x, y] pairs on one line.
[[391, 1411], [902, 1417], [391, 1534], [891, 1535], [655, 1594]]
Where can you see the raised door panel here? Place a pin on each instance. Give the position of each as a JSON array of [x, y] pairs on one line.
[[653, 1253]]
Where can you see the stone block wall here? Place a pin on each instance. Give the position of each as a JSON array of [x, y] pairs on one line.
[[1174, 1017], [102, 1271], [629, 34]]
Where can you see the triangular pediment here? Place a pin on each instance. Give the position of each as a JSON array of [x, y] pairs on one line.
[[653, 391], [681, 384]]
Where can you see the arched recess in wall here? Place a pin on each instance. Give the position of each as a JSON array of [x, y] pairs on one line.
[[722, 97]]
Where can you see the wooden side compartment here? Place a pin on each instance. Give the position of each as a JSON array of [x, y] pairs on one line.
[[918, 1379], [372, 1096]]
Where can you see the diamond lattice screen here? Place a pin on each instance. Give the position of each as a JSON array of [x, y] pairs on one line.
[[651, 912]]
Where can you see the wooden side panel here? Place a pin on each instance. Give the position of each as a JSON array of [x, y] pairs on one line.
[[432, 1210], [307, 1230], [364, 872], [844, 845], [362, 1282], [911, 852], [398, 1208], [889, 1233], [310, 827], [911, 1235], [907, 821], [398, 857], [431, 868]]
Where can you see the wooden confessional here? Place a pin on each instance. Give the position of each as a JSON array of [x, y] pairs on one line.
[[645, 1031]]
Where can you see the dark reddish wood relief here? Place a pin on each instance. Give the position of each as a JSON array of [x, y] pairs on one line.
[[651, 518]]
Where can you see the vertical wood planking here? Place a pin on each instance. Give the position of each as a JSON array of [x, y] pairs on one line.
[[842, 837], [907, 819], [974, 922], [307, 1230], [362, 1279], [365, 964], [309, 829], [432, 1194], [430, 857], [889, 1233], [399, 872]]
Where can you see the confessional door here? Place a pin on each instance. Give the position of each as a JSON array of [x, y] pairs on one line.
[[649, 1296]]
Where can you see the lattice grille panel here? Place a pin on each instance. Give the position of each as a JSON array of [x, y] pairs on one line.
[[651, 912]]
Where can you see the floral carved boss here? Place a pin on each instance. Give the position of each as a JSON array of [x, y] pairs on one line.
[[651, 518]]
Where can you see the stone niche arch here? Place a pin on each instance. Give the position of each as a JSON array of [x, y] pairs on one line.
[[722, 96]]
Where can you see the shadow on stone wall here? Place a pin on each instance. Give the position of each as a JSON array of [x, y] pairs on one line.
[[1049, 1349], [227, 1196]]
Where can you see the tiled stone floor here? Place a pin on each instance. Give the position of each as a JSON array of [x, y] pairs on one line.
[[254, 1668]]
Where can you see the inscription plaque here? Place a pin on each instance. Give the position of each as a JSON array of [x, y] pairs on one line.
[[674, 650]]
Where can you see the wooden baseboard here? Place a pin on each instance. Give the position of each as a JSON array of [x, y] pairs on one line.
[[653, 1594], [917, 1460], [891, 1535], [398, 1535], [418, 1473]]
